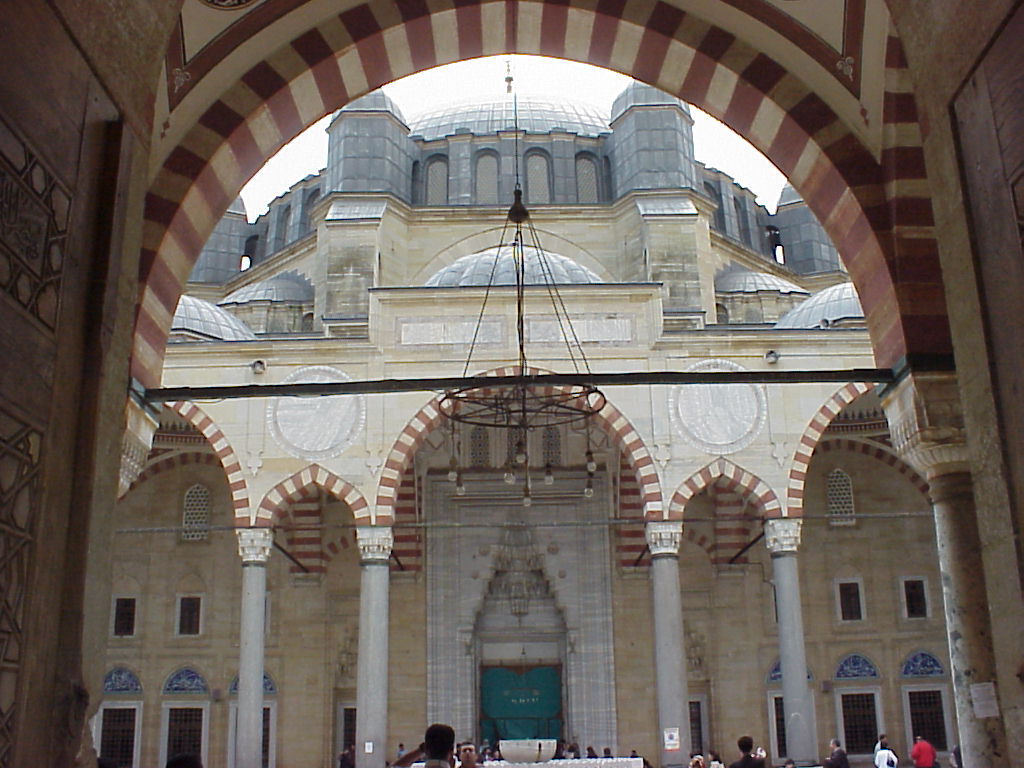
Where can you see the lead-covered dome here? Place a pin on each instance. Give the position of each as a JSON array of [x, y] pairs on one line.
[[539, 269], [196, 318], [290, 287], [748, 281], [836, 305], [536, 115], [638, 94], [374, 101]]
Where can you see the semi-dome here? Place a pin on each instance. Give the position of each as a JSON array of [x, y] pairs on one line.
[[374, 101], [748, 281], [197, 317], [640, 94], [536, 115], [287, 286], [832, 306], [477, 269]]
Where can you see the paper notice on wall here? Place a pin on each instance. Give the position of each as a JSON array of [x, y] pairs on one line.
[[368, 747], [671, 739], [983, 697]]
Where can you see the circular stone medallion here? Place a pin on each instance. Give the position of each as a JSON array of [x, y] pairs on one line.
[[316, 427], [718, 418]]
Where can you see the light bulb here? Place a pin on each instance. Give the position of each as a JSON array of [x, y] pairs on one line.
[[460, 489], [591, 464], [453, 470], [510, 476], [520, 453], [527, 499], [549, 478], [588, 489]]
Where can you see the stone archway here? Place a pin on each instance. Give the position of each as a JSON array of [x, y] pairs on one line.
[[871, 197], [736, 478]]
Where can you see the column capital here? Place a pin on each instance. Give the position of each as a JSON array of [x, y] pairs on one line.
[[782, 535], [254, 545], [927, 424], [375, 542], [664, 536], [140, 426]]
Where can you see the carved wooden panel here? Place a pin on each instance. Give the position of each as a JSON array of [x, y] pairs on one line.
[[34, 210]]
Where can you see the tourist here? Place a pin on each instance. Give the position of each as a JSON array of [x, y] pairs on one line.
[[467, 754], [747, 760], [885, 757], [716, 760], [837, 758], [591, 752], [923, 754]]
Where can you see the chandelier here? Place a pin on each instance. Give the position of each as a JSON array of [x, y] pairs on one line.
[[516, 404]]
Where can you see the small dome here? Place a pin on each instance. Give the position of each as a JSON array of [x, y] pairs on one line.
[[285, 287], [748, 281], [196, 317], [789, 195], [489, 117], [638, 94], [374, 101], [238, 206], [826, 308], [477, 269]]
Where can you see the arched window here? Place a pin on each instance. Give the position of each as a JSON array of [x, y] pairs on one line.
[[587, 187], [479, 447], [118, 725], [437, 181], [486, 179], [195, 513], [417, 184], [307, 203], [839, 496], [741, 220], [718, 222], [538, 178], [284, 223], [722, 314], [186, 717]]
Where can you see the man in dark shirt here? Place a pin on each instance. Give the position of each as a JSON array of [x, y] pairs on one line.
[[747, 760], [838, 757]]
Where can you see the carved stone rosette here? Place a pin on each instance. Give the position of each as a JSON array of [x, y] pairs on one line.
[[782, 535], [140, 426], [663, 538], [254, 545], [375, 542], [926, 423]]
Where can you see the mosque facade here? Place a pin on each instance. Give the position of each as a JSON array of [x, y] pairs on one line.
[[405, 580]]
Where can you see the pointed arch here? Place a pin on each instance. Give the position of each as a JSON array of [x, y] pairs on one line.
[[276, 501], [735, 479], [237, 484], [874, 202], [161, 465], [879, 453], [810, 439], [609, 419]]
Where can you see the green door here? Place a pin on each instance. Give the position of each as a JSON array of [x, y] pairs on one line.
[[520, 703]]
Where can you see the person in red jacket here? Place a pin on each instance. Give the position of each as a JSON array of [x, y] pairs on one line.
[[923, 754]]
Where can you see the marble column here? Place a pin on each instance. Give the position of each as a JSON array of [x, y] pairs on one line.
[[254, 548], [372, 667], [782, 537], [670, 671], [926, 424]]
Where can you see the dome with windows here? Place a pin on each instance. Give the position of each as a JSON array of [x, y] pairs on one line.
[[748, 281], [837, 305], [535, 116], [287, 286], [198, 319], [496, 266]]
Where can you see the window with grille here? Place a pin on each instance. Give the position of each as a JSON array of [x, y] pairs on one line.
[[860, 722], [586, 179], [839, 495], [184, 731], [781, 749], [915, 599], [124, 617], [348, 726], [696, 727], [538, 179], [552, 446], [479, 447], [437, 182], [927, 717], [195, 513], [189, 615], [117, 736], [487, 179], [850, 608]]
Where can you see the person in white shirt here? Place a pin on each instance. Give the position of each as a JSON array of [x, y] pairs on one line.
[[885, 757]]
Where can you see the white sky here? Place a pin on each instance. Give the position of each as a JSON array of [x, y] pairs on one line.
[[715, 144]]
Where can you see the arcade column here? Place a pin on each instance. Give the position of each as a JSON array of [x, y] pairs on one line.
[[375, 544], [254, 548]]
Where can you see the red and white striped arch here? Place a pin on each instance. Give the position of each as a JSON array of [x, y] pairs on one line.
[[160, 465], [609, 419], [195, 416], [292, 489], [879, 453], [810, 439], [729, 477], [876, 208]]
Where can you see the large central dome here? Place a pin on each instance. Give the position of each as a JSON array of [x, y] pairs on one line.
[[489, 117], [539, 269]]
